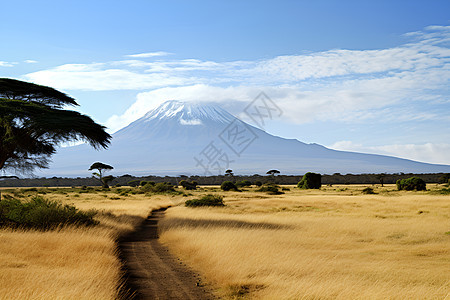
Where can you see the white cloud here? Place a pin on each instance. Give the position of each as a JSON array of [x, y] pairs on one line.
[[95, 77], [147, 101], [399, 83], [149, 54], [7, 64], [30, 61], [429, 152]]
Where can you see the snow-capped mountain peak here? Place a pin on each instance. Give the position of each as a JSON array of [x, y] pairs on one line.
[[188, 113]]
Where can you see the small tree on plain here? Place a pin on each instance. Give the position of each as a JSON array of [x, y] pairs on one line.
[[273, 172], [412, 183], [310, 181], [101, 168], [228, 186], [381, 177]]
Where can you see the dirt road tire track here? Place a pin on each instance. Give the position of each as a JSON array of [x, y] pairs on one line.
[[152, 272]]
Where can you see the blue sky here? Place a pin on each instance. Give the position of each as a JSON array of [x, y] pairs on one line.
[[369, 76]]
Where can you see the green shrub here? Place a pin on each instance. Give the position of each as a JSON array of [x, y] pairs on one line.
[[243, 183], [310, 181], [368, 190], [207, 200], [258, 183], [188, 185], [445, 178], [161, 187], [134, 183], [39, 213], [143, 182], [228, 186], [412, 183], [270, 188]]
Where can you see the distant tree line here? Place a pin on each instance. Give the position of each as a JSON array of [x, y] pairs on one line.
[[218, 180]]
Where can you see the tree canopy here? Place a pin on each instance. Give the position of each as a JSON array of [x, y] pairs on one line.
[[273, 172], [101, 167], [33, 122]]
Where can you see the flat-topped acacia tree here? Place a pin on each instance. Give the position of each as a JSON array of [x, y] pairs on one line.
[[33, 122], [101, 168]]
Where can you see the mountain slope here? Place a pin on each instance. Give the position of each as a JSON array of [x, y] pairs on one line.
[[180, 138]]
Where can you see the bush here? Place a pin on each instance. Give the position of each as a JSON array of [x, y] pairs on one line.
[[228, 186], [412, 183], [243, 183], [270, 188], [368, 190], [39, 213], [143, 182], [188, 185], [207, 200], [258, 183], [445, 178], [310, 181], [134, 183], [161, 187]]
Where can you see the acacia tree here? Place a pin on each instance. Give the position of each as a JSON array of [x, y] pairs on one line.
[[33, 122], [273, 172], [381, 177], [101, 168]]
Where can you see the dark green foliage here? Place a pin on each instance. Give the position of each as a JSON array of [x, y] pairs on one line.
[[134, 183], [33, 123], [271, 189], [445, 178], [229, 173], [412, 183], [161, 187], [368, 190], [310, 181], [228, 186], [143, 182], [258, 183], [188, 185], [243, 183], [207, 200], [101, 167], [42, 214], [273, 172]]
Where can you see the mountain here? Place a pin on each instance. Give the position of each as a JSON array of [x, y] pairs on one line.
[[184, 138]]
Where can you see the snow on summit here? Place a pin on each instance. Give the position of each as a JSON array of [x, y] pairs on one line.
[[188, 113]]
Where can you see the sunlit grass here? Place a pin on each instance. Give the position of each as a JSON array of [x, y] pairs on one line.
[[330, 243], [72, 263]]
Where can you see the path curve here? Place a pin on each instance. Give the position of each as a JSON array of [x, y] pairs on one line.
[[152, 272]]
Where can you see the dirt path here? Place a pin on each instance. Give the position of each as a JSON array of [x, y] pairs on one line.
[[152, 272]]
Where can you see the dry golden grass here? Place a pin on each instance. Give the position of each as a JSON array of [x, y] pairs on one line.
[[332, 243], [72, 263]]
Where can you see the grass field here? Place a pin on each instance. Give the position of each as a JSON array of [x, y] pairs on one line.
[[72, 263], [333, 243], [330, 243]]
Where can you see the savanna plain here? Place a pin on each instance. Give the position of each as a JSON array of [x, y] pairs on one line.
[[332, 243]]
